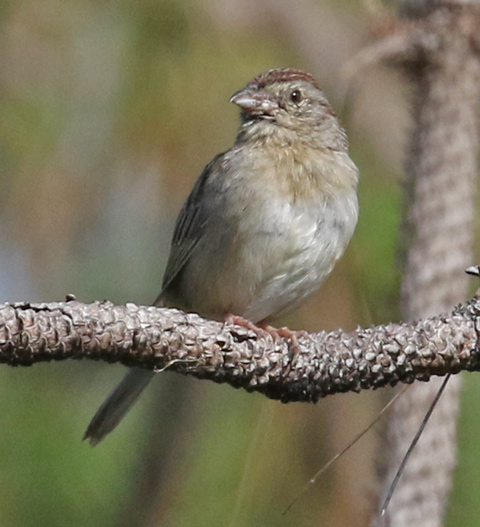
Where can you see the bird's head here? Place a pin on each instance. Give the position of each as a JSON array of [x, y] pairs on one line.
[[288, 105]]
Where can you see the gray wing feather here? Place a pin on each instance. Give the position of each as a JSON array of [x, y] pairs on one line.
[[189, 229]]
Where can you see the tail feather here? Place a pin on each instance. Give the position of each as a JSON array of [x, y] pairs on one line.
[[117, 404]]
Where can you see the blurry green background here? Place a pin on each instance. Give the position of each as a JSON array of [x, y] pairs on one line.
[[108, 112]]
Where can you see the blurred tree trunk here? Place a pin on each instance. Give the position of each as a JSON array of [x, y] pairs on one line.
[[440, 54]]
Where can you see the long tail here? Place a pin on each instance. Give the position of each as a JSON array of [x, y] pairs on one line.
[[117, 404]]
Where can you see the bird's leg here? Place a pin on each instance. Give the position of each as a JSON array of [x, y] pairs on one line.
[[286, 333], [262, 327], [236, 320]]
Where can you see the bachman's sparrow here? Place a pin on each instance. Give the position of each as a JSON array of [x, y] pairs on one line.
[[265, 222]]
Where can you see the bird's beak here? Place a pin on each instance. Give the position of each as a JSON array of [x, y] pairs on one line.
[[254, 101]]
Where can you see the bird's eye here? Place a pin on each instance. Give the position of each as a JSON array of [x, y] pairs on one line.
[[296, 96]]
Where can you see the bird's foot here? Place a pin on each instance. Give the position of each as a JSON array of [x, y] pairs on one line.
[[236, 320], [276, 333], [286, 333]]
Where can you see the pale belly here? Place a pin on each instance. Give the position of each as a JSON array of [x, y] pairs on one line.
[[262, 273], [297, 262]]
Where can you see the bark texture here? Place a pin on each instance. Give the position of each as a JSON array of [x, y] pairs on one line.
[[322, 363], [440, 56]]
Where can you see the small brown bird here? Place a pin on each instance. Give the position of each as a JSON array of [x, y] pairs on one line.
[[265, 222]]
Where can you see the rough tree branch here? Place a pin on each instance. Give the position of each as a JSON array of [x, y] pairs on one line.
[[324, 363]]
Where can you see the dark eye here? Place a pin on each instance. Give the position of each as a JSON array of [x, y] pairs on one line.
[[296, 96]]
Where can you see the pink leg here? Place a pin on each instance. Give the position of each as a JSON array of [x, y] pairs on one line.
[[237, 320], [262, 327], [287, 333]]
